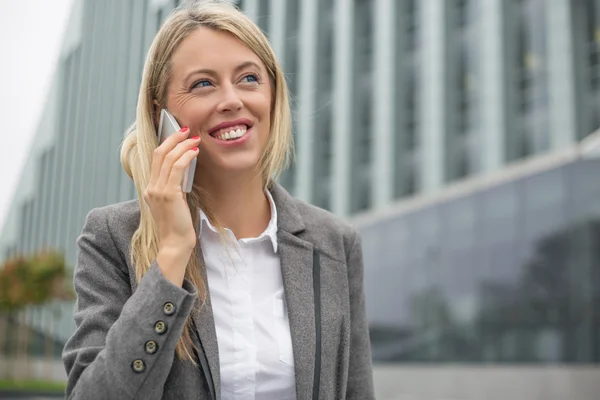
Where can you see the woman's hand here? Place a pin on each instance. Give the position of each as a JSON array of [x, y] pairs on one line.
[[168, 206]]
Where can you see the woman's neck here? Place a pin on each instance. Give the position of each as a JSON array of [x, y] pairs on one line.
[[239, 204]]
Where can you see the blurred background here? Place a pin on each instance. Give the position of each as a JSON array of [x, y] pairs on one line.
[[462, 137]]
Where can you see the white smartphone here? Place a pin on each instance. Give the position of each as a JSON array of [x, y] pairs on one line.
[[168, 126]]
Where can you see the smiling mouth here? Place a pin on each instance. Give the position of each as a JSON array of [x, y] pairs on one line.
[[231, 132]]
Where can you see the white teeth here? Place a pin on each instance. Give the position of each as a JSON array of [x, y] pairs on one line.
[[233, 134]]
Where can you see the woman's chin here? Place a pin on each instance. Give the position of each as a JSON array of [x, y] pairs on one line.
[[232, 166]]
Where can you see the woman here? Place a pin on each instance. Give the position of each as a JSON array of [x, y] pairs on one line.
[[235, 290]]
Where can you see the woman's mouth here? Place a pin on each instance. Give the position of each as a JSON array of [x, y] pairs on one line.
[[230, 133], [232, 136]]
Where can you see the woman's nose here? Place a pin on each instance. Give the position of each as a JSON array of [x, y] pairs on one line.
[[230, 100]]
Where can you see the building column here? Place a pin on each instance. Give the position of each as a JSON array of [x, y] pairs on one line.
[[384, 103], [277, 28], [561, 75], [433, 107], [307, 76], [493, 84], [123, 18], [342, 100], [137, 23], [251, 9]]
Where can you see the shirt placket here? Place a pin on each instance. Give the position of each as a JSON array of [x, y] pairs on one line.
[[245, 352]]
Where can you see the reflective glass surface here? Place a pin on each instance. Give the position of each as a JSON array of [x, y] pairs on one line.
[[510, 273]]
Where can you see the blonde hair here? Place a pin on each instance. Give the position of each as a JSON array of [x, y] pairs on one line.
[[141, 138]]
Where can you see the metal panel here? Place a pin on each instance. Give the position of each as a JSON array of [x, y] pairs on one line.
[[134, 74], [434, 106], [385, 74], [343, 100], [277, 28], [66, 141], [116, 126], [493, 66], [307, 75], [63, 97], [79, 164], [251, 9], [561, 74]]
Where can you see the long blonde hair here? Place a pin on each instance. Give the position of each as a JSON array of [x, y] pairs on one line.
[[141, 138]]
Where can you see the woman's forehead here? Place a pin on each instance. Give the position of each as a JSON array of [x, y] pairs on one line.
[[207, 48]]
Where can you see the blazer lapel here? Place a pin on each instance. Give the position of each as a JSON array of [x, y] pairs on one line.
[[296, 267], [296, 257], [205, 325]]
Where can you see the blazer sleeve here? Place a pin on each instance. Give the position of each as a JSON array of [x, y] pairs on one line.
[[360, 375], [124, 343]]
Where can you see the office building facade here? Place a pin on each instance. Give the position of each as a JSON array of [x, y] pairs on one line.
[[396, 103]]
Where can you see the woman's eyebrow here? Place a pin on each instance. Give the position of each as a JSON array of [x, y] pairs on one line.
[[213, 73]]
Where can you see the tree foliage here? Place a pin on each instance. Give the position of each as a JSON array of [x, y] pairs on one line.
[[33, 280]]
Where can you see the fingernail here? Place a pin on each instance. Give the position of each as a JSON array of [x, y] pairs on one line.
[[195, 148], [184, 129], [195, 138]]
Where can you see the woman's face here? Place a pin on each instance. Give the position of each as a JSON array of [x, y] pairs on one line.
[[221, 90]]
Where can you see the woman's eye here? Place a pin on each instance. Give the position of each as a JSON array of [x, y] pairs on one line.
[[202, 83], [251, 78]]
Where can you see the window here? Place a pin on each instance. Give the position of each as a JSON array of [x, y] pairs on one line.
[[592, 12], [462, 12], [407, 95], [263, 15], [464, 158], [507, 274], [160, 14], [361, 107], [363, 92], [531, 105], [411, 15]]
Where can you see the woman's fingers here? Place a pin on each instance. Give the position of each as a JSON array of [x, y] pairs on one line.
[[178, 169], [163, 149], [173, 157]]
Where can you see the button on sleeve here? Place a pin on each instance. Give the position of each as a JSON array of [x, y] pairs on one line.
[[138, 365], [160, 327], [151, 346], [169, 308]]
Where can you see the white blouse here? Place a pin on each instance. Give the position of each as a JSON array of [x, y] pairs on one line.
[[251, 318]]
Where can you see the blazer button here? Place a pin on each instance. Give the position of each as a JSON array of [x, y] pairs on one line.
[[151, 347], [160, 327], [169, 308], [138, 365]]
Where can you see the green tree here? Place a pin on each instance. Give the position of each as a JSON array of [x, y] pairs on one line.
[[29, 281]]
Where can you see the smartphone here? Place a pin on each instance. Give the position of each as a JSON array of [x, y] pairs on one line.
[[168, 126]]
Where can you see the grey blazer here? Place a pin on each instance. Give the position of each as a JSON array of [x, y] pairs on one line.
[[124, 344]]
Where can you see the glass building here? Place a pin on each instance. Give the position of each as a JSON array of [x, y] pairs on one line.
[[449, 131], [496, 271]]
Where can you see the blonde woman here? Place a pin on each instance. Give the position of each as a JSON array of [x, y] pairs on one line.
[[233, 291]]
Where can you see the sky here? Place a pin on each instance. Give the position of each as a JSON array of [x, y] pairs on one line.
[[31, 33]]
